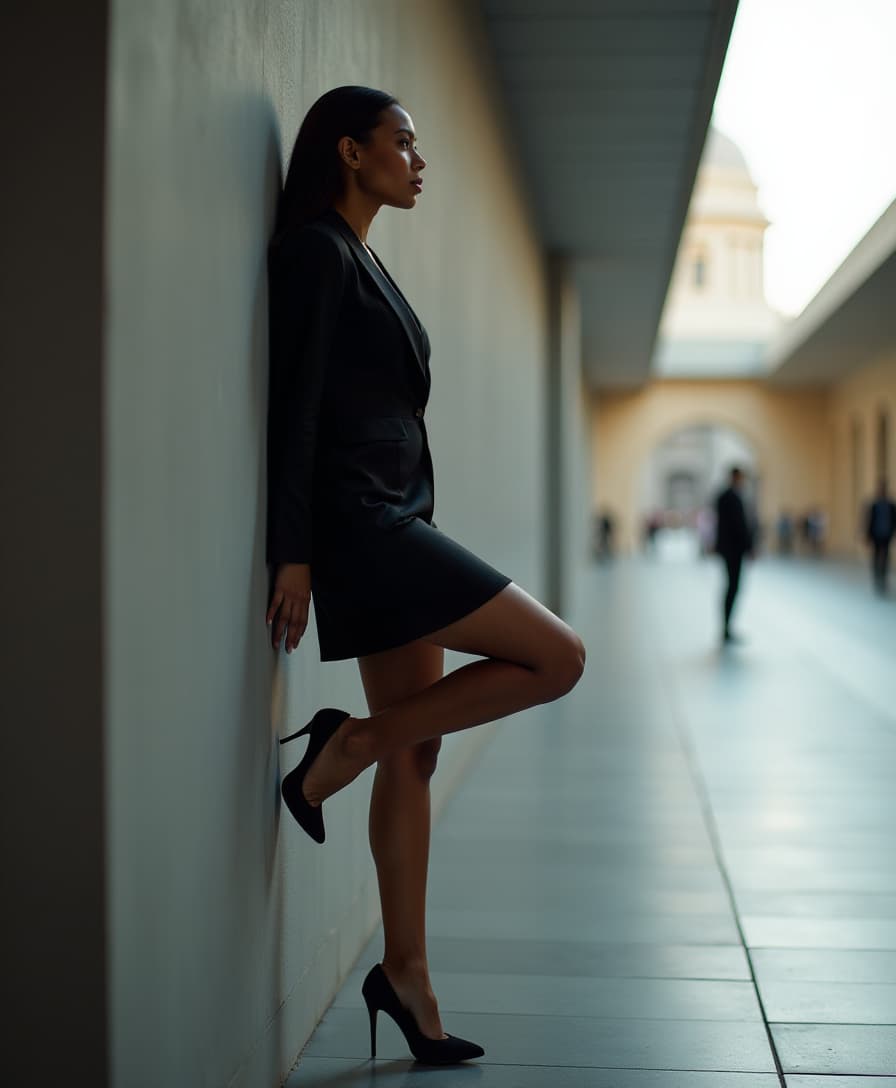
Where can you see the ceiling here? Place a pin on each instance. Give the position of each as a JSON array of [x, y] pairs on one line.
[[609, 101], [851, 320]]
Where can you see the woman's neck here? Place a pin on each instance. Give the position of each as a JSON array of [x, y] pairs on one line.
[[357, 212]]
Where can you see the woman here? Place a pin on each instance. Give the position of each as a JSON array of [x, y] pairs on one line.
[[350, 520]]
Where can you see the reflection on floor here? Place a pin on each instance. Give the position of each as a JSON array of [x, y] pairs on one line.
[[682, 876]]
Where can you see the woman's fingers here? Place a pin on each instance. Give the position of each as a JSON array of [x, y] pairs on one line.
[[288, 609], [297, 625], [276, 601], [290, 618], [280, 626]]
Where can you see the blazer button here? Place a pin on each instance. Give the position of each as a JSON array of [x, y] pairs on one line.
[[419, 413]]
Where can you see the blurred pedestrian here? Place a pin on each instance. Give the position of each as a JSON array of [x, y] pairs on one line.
[[734, 540], [606, 527], [785, 533], [652, 525], [816, 530], [879, 531]]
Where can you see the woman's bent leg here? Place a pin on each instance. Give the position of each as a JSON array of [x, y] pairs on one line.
[[531, 656], [400, 828]]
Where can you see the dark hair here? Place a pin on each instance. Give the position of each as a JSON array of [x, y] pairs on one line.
[[314, 178]]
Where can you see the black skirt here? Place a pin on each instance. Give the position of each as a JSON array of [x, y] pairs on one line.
[[387, 587]]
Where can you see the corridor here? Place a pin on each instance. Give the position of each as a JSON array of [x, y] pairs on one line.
[[682, 876]]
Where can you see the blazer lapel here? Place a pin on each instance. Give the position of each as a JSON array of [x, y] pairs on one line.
[[388, 289]]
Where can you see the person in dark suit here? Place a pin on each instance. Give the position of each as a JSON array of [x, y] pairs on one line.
[[734, 540], [350, 524], [880, 528]]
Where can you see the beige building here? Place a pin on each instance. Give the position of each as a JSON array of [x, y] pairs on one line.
[[716, 321], [806, 407]]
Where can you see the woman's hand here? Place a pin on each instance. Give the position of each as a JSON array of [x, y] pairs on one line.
[[288, 608]]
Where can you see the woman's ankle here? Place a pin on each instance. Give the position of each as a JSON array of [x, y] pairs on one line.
[[406, 967], [358, 741]]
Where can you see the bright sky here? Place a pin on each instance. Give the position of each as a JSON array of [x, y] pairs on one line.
[[808, 93]]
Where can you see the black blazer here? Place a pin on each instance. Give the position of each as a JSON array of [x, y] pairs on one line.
[[873, 507], [734, 537], [349, 382]]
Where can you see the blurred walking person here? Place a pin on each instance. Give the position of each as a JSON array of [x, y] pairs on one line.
[[606, 529], [785, 533], [880, 530], [734, 540]]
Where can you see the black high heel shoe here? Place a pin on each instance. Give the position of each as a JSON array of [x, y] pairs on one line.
[[319, 730], [378, 994]]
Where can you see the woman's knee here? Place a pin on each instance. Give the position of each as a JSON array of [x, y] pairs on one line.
[[567, 663], [426, 754]]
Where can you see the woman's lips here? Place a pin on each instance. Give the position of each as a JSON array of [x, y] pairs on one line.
[[418, 184]]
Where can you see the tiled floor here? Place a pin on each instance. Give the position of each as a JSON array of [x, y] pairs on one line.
[[682, 876]]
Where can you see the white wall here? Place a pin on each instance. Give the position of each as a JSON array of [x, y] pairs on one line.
[[229, 931]]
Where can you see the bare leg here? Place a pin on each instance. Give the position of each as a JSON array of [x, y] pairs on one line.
[[531, 657], [400, 828]]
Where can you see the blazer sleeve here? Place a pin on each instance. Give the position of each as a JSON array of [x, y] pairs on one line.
[[306, 285]]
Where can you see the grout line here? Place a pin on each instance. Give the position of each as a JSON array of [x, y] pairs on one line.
[[684, 739]]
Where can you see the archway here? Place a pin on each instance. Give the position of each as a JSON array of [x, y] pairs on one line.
[[787, 433], [679, 479]]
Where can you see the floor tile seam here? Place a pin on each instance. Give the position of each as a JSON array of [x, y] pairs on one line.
[[833, 982], [644, 978], [492, 1063], [697, 945], [538, 1065], [630, 978], [575, 942], [530, 976], [830, 1024], [826, 948], [703, 796], [739, 1022], [591, 1016]]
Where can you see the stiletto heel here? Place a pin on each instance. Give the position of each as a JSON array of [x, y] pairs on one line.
[[372, 1011], [319, 730], [378, 993], [298, 733]]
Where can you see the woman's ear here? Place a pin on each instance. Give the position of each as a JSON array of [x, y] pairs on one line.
[[348, 152]]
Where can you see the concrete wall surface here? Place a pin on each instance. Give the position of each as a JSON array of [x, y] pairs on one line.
[[229, 930]]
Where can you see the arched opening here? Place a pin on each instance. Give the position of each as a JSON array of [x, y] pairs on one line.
[[680, 480]]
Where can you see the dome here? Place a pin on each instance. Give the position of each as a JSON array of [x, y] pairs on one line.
[[723, 152]]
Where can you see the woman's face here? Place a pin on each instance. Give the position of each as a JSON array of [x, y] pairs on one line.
[[390, 165]]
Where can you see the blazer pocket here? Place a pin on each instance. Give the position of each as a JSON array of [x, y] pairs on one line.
[[367, 456], [356, 432]]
